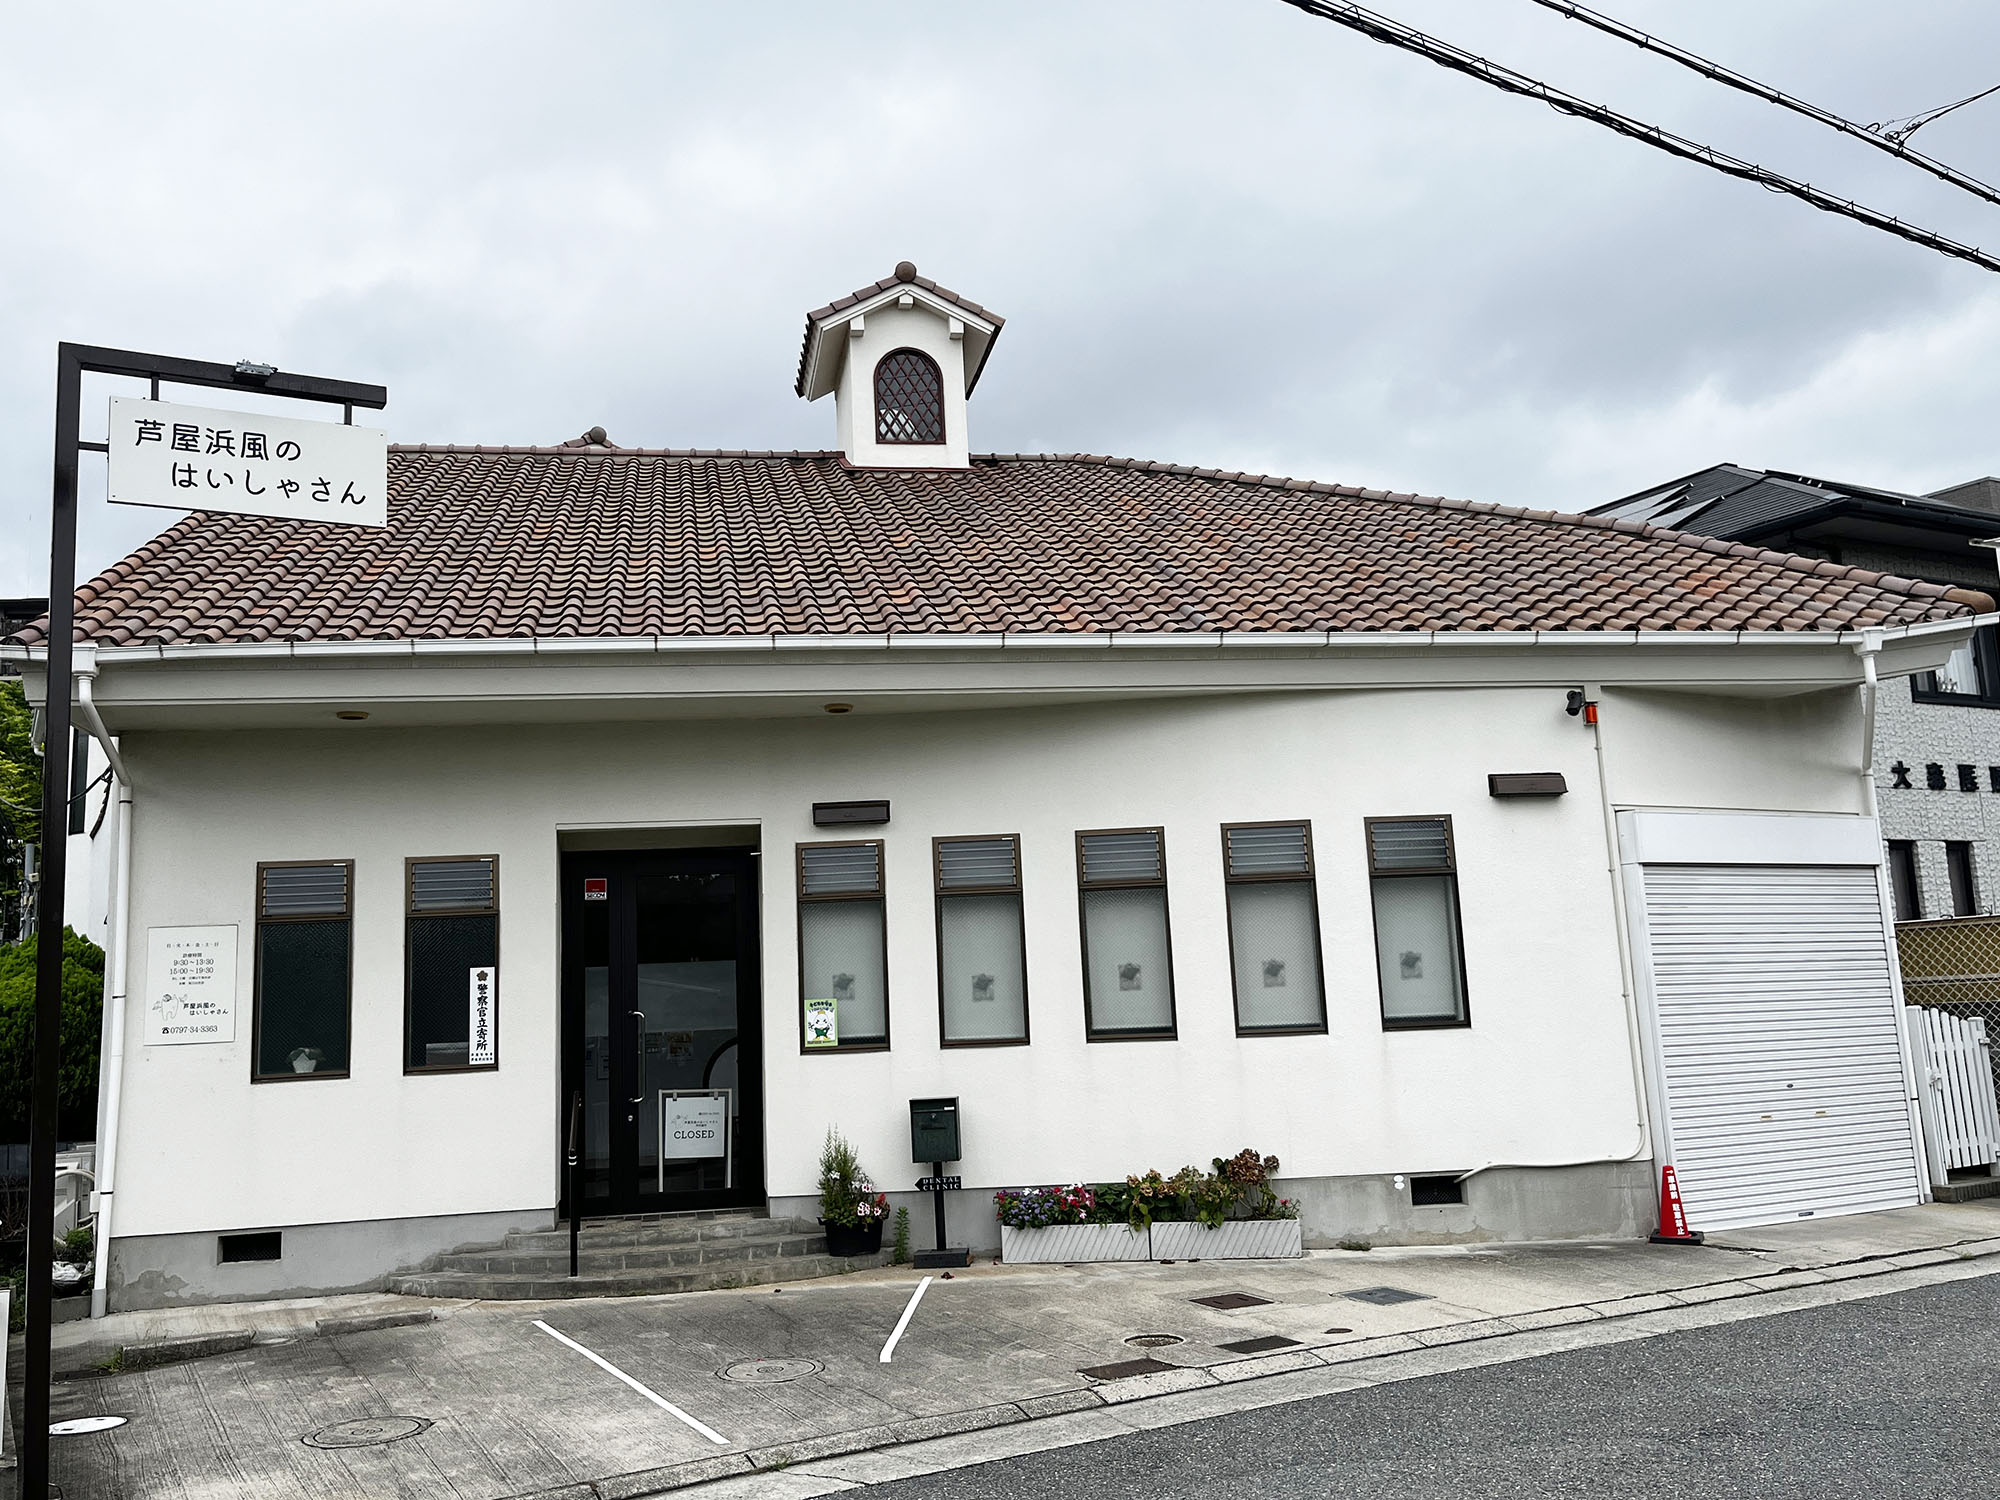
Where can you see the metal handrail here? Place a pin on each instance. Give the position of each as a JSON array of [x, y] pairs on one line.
[[575, 1156]]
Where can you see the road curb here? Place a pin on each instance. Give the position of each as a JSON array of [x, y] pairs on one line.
[[1236, 1372]]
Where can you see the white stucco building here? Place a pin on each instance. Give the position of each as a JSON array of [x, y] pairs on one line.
[[1150, 812]]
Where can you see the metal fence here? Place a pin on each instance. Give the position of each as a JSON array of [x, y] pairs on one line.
[[1953, 964]]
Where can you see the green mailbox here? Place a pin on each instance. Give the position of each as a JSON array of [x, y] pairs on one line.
[[934, 1130]]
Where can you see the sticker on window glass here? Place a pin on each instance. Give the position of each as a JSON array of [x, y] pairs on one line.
[[1128, 977], [982, 988], [596, 889], [1412, 965], [822, 1029], [1274, 973], [482, 983]]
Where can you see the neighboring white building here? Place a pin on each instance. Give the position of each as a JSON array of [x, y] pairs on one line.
[[1151, 812]]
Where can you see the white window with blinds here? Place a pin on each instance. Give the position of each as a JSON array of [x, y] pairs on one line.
[[1274, 957], [1419, 951], [982, 952], [843, 946], [1128, 970]]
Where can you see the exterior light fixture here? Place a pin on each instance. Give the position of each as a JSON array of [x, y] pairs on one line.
[[838, 708], [350, 713]]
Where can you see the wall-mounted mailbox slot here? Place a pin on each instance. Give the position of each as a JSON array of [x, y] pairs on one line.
[[1526, 784], [934, 1130]]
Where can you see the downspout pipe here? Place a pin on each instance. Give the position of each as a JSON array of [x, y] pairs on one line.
[[1871, 687], [117, 988]]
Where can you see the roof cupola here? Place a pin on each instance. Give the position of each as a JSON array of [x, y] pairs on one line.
[[900, 359]]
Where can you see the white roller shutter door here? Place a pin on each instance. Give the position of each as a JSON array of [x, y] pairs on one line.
[[1778, 1047]]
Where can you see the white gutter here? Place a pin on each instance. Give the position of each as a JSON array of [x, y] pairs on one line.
[[111, 1074], [1149, 641], [85, 673]]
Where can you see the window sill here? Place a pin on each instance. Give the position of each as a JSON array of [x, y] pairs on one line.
[[986, 1041], [1252, 1031], [1954, 700], [492, 1067], [844, 1047], [295, 1077], [1131, 1036], [1427, 1024]]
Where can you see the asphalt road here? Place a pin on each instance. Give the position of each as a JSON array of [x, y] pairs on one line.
[[1883, 1396]]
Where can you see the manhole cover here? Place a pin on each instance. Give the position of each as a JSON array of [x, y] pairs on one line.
[[365, 1432], [76, 1425], [1230, 1300], [1262, 1345], [1154, 1340], [770, 1371], [1385, 1296], [1125, 1369]]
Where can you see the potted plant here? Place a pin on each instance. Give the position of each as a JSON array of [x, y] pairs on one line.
[[851, 1211], [1068, 1224], [1232, 1213]]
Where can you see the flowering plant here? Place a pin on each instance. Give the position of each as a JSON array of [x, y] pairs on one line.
[[846, 1196], [1037, 1208]]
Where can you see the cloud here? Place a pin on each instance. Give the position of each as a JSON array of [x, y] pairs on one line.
[[1223, 234]]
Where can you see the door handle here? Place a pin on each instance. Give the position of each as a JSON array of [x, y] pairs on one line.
[[638, 1056]]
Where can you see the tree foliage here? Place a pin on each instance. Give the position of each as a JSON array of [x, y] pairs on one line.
[[82, 1010], [20, 767]]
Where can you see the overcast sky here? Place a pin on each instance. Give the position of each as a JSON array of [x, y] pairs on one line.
[[1221, 232]]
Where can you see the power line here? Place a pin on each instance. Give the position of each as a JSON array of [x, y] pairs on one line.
[[1905, 126], [1880, 136], [1395, 34]]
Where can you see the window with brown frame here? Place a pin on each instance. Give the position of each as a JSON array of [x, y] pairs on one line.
[[305, 960], [843, 947], [909, 398], [1274, 956], [982, 948], [1419, 951], [451, 964], [1128, 966]]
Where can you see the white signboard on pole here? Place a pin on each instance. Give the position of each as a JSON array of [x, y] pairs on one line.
[[190, 985], [195, 458], [484, 987], [694, 1125]]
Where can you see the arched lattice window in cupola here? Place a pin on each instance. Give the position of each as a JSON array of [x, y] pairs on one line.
[[909, 398]]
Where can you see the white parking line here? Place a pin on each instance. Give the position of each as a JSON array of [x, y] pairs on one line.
[[653, 1396], [904, 1321]]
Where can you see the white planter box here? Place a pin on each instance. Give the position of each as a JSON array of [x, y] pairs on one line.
[[1068, 1243], [1244, 1239]]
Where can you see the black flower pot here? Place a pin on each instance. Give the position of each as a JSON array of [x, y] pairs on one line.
[[850, 1240]]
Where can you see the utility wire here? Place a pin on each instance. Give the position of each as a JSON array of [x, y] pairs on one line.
[[1393, 33], [1905, 126], [1882, 137]]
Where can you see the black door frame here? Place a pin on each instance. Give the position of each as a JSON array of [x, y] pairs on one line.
[[622, 869]]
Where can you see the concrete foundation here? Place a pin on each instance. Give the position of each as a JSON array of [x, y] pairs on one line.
[[167, 1270], [1605, 1200]]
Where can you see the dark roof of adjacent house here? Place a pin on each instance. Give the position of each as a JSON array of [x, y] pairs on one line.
[[1727, 500], [596, 541]]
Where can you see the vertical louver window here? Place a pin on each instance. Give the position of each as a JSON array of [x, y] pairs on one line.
[[451, 998], [305, 939], [843, 947], [1128, 970], [982, 952], [1273, 927], [1419, 952]]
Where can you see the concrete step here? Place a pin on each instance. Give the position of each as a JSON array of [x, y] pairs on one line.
[[598, 1256], [540, 1285], [662, 1230]]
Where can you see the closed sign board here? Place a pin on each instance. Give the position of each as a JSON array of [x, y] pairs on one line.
[[190, 985], [197, 458], [694, 1125]]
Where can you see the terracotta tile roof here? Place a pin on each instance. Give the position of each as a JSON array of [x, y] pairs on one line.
[[889, 283], [597, 541]]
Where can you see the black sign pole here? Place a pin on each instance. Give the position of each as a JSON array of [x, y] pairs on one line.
[[73, 361]]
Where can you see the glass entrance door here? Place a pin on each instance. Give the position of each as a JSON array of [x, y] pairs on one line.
[[661, 1005]]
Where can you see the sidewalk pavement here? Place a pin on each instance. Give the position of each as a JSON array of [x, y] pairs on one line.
[[610, 1398]]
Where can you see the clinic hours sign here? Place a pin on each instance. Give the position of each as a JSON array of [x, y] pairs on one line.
[[196, 458], [190, 985]]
